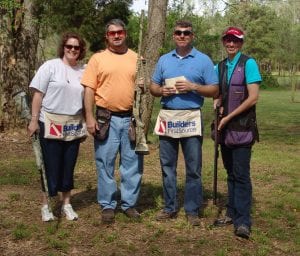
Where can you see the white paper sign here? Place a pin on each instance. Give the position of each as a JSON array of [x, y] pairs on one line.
[[170, 82]]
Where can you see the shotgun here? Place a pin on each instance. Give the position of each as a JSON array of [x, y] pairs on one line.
[[216, 150], [21, 101], [141, 146]]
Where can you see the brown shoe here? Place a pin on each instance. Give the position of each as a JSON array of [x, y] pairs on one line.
[[132, 213], [193, 220], [163, 215], [108, 216]]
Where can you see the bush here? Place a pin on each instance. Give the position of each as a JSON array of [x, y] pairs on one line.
[[268, 81]]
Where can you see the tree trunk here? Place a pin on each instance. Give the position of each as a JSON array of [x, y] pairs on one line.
[[18, 48], [157, 10]]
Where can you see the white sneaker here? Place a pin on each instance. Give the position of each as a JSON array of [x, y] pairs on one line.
[[46, 214], [69, 212]]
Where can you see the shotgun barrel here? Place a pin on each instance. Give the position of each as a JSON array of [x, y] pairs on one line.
[[216, 151]]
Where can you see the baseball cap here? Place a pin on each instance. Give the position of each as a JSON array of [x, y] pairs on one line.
[[234, 31]]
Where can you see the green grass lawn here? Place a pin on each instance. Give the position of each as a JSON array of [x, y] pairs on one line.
[[276, 191]]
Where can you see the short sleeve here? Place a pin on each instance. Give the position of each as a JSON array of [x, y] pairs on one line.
[[42, 78], [252, 72], [90, 73], [157, 74]]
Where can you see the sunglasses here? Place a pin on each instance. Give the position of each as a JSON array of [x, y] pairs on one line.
[[232, 39], [70, 47], [114, 33], [184, 32]]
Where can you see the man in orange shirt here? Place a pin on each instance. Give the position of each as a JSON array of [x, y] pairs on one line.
[[109, 81]]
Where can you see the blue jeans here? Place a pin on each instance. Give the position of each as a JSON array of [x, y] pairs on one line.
[[237, 164], [131, 166], [192, 151]]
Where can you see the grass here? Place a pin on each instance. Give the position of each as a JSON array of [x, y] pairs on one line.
[[276, 205], [21, 231], [21, 171]]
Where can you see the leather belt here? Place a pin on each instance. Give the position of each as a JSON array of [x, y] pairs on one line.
[[126, 113]]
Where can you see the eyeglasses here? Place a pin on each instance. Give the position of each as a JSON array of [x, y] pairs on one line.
[[70, 47], [114, 33], [184, 32]]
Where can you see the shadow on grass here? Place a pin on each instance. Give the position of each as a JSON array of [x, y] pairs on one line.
[[84, 199], [150, 198]]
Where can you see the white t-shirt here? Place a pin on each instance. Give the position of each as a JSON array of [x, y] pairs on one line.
[[60, 84]]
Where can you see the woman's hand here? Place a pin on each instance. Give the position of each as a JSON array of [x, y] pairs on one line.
[[33, 127], [223, 122]]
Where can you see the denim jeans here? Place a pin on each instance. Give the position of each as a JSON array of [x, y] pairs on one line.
[[131, 166], [237, 164], [192, 151]]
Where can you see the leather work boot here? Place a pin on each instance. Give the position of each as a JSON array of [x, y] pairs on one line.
[[132, 213], [163, 215], [108, 216], [193, 220]]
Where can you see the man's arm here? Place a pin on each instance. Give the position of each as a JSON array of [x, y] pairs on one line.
[[253, 90], [89, 99]]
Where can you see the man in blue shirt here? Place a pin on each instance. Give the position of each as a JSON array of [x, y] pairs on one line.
[[182, 78], [239, 86]]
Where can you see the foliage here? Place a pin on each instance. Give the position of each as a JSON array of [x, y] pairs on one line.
[[9, 5], [259, 23], [84, 16], [268, 81], [272, 29]]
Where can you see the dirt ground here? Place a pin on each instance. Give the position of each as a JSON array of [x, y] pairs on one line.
[[23, 233]]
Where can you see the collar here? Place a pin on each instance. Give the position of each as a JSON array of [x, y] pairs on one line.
[[192, 53], [234, 60], [118, 53]]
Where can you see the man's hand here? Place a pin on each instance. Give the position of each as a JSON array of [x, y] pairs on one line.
[[92, 125], [167, 91], [184, 86]]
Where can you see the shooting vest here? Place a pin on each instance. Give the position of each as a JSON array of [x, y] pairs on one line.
[[242, 129]]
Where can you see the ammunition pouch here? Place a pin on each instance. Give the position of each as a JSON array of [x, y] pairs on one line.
[[103, 117], [132, 130]]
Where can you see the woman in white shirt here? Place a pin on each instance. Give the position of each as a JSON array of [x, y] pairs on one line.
[[58, 94]]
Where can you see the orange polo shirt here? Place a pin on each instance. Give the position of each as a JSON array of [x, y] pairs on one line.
[[112, 76]]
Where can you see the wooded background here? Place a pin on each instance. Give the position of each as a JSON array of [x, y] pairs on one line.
[[30, 29]]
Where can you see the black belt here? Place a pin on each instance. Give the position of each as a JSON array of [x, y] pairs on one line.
[[122, 114], [126, 113], [180, 108]]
